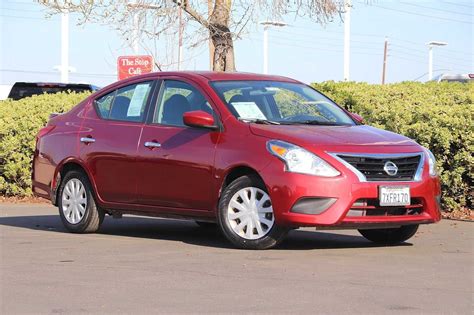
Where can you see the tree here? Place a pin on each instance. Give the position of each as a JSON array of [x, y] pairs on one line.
[[221, 21]]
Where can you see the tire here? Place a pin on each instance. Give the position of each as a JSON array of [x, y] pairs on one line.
[[82, 215], [206, 225], [247, 226], [390, 236]]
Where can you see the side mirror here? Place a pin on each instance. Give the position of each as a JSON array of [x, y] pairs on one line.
[[199, 119], [357, 118]]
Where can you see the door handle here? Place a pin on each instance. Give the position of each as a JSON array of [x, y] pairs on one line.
[[87, 140], [152, 144]]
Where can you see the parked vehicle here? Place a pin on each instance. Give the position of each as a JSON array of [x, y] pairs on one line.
[[463, 78], [26, 89], [256, 154]]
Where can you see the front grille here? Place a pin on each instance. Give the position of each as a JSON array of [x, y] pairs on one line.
[[371, 207], [373, 167]]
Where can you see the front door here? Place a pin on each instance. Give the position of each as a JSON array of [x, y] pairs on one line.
[[176, 162]]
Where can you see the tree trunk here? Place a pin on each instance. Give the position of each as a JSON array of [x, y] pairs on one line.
[[221, 36]]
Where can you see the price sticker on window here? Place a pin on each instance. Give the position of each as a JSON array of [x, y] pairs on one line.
[[248, 110]]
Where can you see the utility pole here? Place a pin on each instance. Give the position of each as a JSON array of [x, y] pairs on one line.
[[211, 45], [265, 49], [347, 38], [64, 47], [385, 46], [430, 56], [266, 26], [180, 36]]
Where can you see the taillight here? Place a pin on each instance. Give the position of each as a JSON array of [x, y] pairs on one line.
[[44, 131]]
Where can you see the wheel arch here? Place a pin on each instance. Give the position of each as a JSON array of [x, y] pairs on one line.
[[64, 167], [237, 171]]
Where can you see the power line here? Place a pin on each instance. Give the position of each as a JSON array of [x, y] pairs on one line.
[[437, 53], [52, 72], [26, 17], [459, 4], [320, 44], [436, 9], [421, 14], [444, 49], [315, 48], [312, 36], [19, 10]]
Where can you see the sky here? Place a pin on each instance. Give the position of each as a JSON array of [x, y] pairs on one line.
[[304, 50]]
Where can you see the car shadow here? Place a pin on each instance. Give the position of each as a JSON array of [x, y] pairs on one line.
[[190, 233]]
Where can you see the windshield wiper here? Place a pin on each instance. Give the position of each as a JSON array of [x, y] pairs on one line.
[[260, 121], [317, 122]]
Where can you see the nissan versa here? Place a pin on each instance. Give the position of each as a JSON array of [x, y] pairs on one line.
[[256, 154]]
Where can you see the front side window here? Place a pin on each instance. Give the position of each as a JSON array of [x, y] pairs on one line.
[[125, 104], [279, 103], [177, 98]]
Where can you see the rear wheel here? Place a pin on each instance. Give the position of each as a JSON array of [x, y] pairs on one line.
[[77, 208], [246, 215], [390, 236]]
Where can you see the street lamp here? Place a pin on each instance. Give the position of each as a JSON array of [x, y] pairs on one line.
[[266, 26], [430, 56]]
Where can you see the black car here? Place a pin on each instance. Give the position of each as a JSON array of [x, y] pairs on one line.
[[26, 89]]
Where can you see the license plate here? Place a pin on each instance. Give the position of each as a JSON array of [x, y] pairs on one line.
[[394, 196]]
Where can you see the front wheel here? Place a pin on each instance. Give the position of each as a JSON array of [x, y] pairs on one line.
[[246, 217], [390, 236], [77, 208]]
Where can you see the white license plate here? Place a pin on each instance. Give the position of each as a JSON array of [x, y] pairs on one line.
[[394, 196]]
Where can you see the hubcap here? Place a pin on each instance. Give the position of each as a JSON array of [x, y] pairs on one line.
[[74, 201], [250, 213]]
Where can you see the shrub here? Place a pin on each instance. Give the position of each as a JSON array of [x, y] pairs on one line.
[[19, 123], [437, 116]]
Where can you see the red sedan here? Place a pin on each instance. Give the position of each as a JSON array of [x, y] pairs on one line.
[[255, 154]]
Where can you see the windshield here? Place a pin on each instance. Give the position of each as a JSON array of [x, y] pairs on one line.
[[276, 102]]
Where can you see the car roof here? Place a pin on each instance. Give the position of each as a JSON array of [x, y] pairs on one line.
[[215, 76]]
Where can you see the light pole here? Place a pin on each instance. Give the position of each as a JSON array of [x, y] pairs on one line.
[[347, 38], [430, 56], [64, 47], [266, 26]]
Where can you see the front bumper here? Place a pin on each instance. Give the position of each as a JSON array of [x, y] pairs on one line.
[[286, 189]]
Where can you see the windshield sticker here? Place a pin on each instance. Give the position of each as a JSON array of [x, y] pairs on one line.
[[248, 110], [139, 94]]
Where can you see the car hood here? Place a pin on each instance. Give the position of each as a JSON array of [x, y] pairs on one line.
[[331, 135]]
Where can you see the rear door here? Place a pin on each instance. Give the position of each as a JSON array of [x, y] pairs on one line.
[[109, 138], [176, 162]]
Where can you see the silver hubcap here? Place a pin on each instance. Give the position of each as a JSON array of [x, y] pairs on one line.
[[250, 213], [74, 201]]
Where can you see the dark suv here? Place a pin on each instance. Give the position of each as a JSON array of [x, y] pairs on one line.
[[26, 89]]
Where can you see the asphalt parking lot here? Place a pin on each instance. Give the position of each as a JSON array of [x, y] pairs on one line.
[[144, 265]]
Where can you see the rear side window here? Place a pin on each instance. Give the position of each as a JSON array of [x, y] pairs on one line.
[[125, 104], [104, 104]]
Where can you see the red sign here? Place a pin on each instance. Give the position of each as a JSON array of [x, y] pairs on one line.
[[129, 66]]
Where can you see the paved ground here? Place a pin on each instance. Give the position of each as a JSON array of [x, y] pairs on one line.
[[144, 265]]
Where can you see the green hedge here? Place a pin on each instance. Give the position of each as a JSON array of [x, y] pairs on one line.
[[437, 116], [19, 123]]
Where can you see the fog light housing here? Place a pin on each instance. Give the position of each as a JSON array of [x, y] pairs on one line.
[[312, 205]]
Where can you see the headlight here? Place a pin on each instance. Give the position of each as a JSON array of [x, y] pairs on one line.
[[299, 160], [431, 162]]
